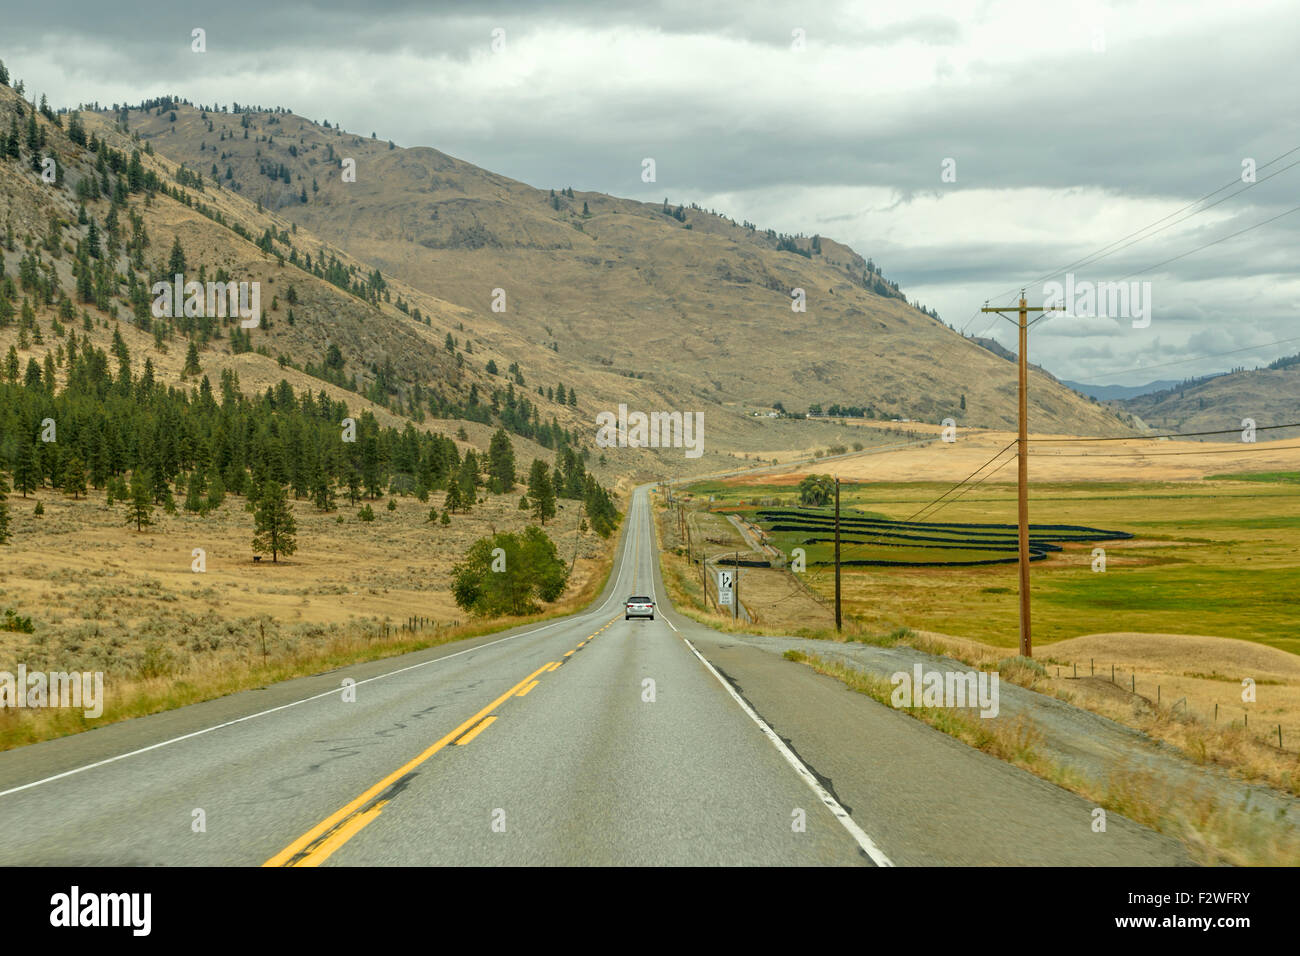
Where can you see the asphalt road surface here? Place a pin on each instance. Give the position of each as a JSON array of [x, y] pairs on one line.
[[590, 740]]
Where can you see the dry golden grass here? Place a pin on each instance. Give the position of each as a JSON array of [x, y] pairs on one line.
[[1135, 459], [106, 598], [1248, 751]]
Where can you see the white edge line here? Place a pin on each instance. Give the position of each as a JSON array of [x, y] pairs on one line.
[[858, 834], [240, 720], [654, 562]]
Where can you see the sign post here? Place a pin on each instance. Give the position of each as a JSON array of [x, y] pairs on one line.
[[725, 581]]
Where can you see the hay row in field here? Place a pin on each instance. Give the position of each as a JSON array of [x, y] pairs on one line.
[[934, 544]]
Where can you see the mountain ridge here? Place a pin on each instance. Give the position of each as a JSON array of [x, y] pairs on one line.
[[595, 277]]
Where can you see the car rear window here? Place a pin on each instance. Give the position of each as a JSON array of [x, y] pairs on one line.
[[638, 600]]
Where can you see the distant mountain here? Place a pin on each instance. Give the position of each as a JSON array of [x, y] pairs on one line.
[[1267, 396], [1110, 393]]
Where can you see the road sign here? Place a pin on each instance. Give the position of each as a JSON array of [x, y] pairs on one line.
[[725, 581]]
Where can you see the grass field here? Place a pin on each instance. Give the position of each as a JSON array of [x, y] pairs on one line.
[[1212, 557], [1201, 597], [104, 597]]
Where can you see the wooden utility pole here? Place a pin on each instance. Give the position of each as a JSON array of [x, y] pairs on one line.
[[1022, 454], [735, 589], [837, 555], [704, 579]]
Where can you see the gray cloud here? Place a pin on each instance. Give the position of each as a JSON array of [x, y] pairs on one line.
[[1059, 148]]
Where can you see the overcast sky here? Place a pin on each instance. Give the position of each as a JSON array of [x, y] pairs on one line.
[[1068, 127]]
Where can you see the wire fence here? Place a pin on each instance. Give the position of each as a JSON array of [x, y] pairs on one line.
[[1273, 732]]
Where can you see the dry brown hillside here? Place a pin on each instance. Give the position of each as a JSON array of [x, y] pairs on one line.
[[628, 301], [1268, 396], [390, 347], [377, 343]]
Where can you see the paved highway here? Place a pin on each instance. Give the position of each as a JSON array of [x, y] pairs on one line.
[[587, 740]]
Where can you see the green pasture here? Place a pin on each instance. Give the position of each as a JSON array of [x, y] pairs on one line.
[[1219, 557]]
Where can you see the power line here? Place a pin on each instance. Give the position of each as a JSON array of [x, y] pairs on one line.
[[1157, 222], [963, 481], [1221, 431], [878, 539], [1090, 261], [1184, 255], [1214, 242], [1143, 368], [1162, 454], [975, 484]]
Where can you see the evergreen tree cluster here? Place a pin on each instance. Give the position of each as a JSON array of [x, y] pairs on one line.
[[198, 438]]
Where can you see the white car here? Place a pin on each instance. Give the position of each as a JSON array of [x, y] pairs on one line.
[[639, 607]]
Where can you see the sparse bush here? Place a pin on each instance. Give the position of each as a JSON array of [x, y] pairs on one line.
[[156, 661], [13, 621]]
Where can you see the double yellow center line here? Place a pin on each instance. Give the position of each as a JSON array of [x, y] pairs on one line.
[[318, 843]]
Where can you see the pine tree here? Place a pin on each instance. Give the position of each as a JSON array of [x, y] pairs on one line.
[[192, 366], [541, 493], [74, 477], [5, 534], [176, 263], [139, 508], [322, 494], [26, 472], [501, 460], [274, 527], [216, 492], [196, 491], [452, 502]]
